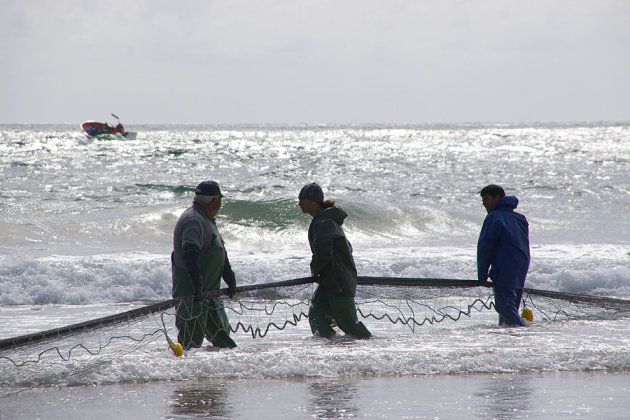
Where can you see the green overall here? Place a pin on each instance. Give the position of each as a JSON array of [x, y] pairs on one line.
[[340, 310], [332, 263], [196, 319]]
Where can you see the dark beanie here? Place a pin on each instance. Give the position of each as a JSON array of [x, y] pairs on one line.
[[209, 188], [312, 192]]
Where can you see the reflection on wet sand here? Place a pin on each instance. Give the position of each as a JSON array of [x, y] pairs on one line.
[[333, 399], [206, 399], [505, 396]]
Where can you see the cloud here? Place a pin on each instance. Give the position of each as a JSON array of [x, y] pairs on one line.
[[314, 61]]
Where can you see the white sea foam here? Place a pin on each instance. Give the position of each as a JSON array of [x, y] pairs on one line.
[[139, 276]]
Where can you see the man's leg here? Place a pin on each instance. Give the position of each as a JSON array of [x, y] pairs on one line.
[[506, 302], [217, 328], [190, 322], [319, 319], [344, 311]]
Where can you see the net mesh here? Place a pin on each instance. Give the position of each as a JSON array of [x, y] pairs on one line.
[[254, 314], [414, 307], [554, 306]]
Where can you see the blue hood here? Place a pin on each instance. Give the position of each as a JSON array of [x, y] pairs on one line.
[[504, 245], [509, 201]]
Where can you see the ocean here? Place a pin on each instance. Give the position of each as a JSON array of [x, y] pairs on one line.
[[86, 231]]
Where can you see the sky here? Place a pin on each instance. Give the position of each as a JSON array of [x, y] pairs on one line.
[[319, 61]]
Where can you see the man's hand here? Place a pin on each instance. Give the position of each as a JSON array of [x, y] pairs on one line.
[[231, 290], [486, 283], [195, 279], [230, 280]]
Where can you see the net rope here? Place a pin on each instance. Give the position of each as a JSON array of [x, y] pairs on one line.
[[258, 310]]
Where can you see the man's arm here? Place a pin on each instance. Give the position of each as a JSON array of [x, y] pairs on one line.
[[191, 254], [322, 246], [486, 249], [192, 260]]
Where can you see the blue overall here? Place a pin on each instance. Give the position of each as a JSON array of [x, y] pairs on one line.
[[503, 255]]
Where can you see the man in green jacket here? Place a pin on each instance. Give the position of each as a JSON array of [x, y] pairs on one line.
[[199, 261], [332, 266]]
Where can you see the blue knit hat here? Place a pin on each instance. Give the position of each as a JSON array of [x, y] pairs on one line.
[[312, 192]]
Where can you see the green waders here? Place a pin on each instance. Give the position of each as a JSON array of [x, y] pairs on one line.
[[325, 311], [206, 318], [196, 320]]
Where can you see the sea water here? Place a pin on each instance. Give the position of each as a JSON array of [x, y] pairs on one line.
[[86, 230]]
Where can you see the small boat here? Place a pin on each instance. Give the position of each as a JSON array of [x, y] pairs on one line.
[[96, 128]]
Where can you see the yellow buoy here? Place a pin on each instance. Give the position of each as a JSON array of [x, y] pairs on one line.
[[527, 314], [177, 348]]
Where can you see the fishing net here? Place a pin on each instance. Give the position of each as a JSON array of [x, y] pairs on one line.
[[80, 350], [557, 306]]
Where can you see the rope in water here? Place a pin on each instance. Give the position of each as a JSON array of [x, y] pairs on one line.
[[361, 280]]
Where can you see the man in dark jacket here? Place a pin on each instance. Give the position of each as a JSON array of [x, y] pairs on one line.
[[199, 261], [503, 252], [332, 266]]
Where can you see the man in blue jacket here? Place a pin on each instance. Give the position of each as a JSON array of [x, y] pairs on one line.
[[503, 252]]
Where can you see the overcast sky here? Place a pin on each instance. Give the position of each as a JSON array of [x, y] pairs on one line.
[[292, 61]]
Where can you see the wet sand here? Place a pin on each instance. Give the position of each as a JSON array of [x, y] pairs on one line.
[[546, 395]]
